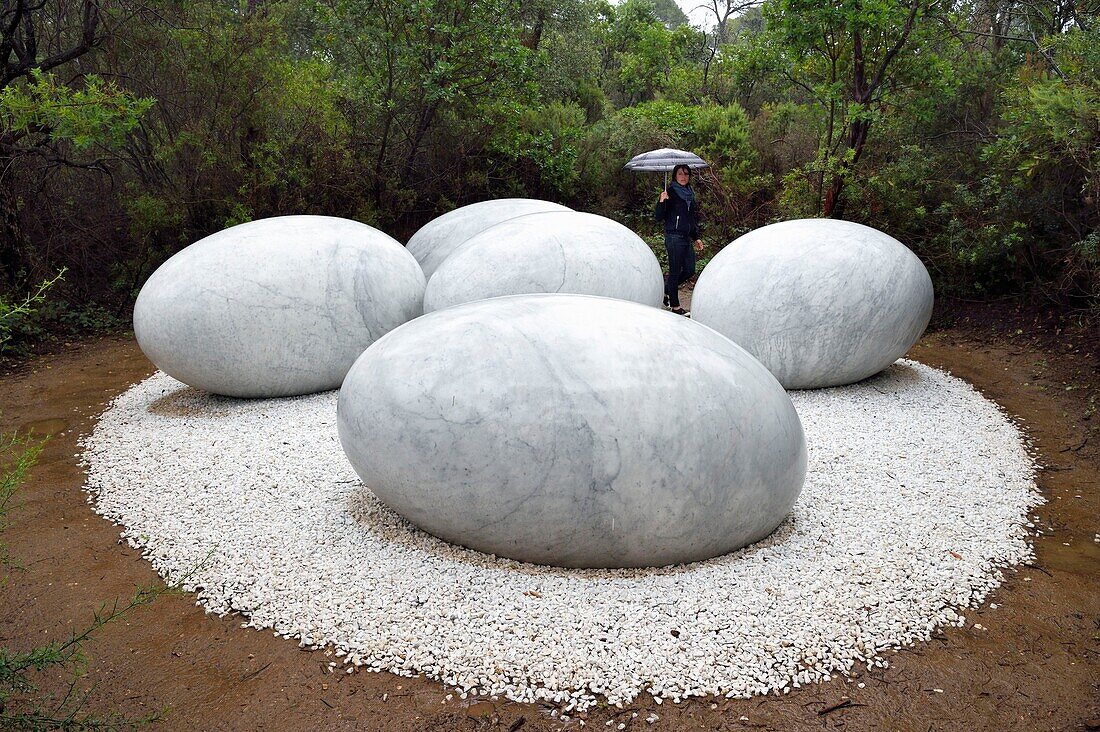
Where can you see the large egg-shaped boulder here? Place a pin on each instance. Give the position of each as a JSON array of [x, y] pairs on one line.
[[574, 431], [819, 302], [556, 251], [437, 239], [276, 307]]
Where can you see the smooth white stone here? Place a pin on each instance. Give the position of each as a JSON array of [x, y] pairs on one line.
[[819, 302], [437, 239], [276, 307], [574, 431], [555, 251]]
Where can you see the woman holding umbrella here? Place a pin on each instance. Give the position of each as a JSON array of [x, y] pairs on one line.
[[678, 209]]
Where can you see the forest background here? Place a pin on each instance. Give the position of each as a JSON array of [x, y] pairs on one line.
[[128, 130]]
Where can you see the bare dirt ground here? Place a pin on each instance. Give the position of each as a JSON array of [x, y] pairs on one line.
[[1033, 665]]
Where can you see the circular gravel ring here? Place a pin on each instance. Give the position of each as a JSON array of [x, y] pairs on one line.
[[916, 496]]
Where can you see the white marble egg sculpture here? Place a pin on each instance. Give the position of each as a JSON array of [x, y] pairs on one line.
[[276, 307], [555, 251], [819, 302], [437, 239], [573, 431]]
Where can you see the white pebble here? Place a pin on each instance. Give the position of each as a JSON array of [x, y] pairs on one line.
[[915, 501]]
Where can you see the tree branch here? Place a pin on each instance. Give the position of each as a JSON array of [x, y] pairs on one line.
[[25, 44], [881, 72]]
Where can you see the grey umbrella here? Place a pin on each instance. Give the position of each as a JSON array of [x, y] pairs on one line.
[[664, 160]]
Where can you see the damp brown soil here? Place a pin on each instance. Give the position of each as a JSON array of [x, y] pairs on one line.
[[1033, 664]]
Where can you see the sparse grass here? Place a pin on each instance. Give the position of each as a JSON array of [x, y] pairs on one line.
[[23, 705], [18, 454]]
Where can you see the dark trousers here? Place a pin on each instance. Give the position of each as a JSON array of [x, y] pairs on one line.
[[681, 266]]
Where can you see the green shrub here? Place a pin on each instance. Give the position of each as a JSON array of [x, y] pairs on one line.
[[19, 321]]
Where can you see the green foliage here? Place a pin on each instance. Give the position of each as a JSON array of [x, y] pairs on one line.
[[968, 131], [30, 318], [17, 319], [149, 214], [648, 59], [96, 113], [1044, 167], [404, 67], [18, 454], [570, 59], [89, 318], [672, 118], [1051, 122], [720, 135], [669, 13], [539, 148], [242, 127], [784, 138], [1015, 209], [800, 194], [604, 186], [850, 58], [747, 67]]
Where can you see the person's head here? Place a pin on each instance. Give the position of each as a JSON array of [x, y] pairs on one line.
[[681, 174]]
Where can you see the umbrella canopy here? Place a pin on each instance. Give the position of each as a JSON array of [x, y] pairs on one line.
[[664, 160]]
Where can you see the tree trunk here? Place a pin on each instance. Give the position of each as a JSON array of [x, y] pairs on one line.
[[426, 118], [532, 38], [857, 138], [14, 244]]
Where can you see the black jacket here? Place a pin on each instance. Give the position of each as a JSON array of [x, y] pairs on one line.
[[678, 216]]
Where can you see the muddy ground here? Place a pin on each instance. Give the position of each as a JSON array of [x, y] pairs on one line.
[[1033, 665]]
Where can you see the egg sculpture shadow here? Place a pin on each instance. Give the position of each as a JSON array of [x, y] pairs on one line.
[[819, 302], [437, 239], [276, 307], [555, 251], [573, 431]]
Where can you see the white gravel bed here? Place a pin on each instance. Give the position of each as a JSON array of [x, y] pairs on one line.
[[916, 496]]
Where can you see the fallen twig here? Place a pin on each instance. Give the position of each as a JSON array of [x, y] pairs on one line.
[[843, 704], [1077, 448], [257, 672]]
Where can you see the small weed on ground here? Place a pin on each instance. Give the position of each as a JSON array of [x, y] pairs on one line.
[[23, 705]]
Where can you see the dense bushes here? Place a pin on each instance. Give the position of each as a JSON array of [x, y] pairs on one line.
[[969, 132]]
